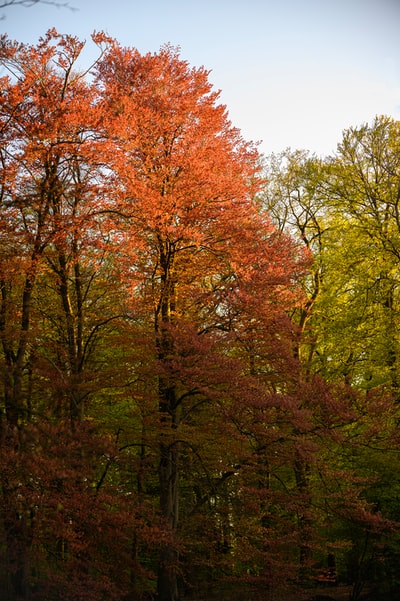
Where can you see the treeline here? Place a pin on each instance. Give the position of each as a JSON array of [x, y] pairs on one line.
[[199, 347]]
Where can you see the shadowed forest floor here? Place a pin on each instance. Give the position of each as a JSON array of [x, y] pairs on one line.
[[336, 593]]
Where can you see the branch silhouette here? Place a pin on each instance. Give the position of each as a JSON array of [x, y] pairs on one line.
[[30, 3]]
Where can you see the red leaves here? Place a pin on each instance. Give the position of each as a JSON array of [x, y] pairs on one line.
[[58, 522]]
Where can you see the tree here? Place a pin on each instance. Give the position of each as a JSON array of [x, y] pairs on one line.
[[345, 209], [196, 244], [368, 162], [47, 125], [53, 282]]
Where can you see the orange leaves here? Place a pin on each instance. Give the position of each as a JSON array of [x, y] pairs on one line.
[[175, 146], [48, 118], [186, 182]]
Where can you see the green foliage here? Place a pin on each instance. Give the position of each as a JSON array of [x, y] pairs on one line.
[[345, 209]]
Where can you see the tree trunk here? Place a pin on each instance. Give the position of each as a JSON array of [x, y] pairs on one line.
[[301, 471], [167, 585], [167, 582], [17, 526]]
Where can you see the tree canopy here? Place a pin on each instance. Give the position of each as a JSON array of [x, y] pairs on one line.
[[199, 350]]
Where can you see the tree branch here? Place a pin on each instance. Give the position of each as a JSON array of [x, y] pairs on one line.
[[30, 3]]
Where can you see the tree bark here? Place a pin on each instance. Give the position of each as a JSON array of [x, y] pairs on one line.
[[167, 585]]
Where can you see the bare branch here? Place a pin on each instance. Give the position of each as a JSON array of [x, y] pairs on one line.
[[30, 3]]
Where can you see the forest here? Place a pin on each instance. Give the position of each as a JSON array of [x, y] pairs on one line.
[[200, 346]]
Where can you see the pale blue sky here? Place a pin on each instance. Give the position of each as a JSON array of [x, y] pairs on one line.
[[292, 72]]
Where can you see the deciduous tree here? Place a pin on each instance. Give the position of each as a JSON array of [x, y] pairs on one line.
[[199, 253]]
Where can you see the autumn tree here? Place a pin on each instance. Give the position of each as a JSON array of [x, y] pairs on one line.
[[196, 246], [47, 140], [54, 279]]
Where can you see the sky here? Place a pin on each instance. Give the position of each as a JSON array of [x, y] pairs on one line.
[[292, 73]]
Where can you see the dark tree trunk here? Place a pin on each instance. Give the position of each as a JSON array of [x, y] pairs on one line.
[[167, 585]]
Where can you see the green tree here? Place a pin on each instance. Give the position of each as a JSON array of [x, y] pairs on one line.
[[345, 210]]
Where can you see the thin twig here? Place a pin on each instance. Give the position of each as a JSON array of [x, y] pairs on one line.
[[30, 3]]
